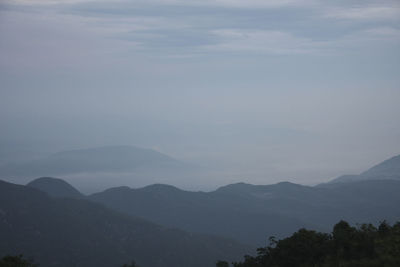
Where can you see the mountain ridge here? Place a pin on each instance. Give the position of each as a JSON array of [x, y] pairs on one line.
[[76, 232], [97, 159], [262, 210], [55, 187], [387, 169]]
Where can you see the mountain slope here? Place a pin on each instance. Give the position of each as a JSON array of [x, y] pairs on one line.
[[55, 187], [388, 169], [70, 232], [371, 200], [251, 213], [243, 218]]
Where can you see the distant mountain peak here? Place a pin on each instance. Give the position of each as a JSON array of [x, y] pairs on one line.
[[160, 187], [235, 188], [246, 188], [287, 183], [55, 187], [106, 160], [114, 152], [388, 169]]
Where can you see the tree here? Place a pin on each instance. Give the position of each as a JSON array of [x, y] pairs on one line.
[[16, 261], [222, 264], [132, 264], [364, 245]]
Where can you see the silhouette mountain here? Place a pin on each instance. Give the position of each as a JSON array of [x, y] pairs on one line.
[[55, 187], [76, 232]]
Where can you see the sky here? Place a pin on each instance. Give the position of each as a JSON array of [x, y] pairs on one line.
[[262, 90]]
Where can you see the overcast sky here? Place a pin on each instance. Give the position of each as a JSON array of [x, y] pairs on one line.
[[267, 90]]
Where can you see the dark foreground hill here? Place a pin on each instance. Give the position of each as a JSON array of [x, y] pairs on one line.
[[73, 232]]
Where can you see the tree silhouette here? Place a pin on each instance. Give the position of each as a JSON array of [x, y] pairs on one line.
[[132, 264], [365, 246], [16, 261], [222, 264]]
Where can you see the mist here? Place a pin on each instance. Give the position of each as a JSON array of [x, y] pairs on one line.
[[245, 92]]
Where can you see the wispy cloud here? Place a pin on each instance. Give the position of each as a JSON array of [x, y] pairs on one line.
[[364, 13], [374, 37], [384, 32], [286, 43], [186, 31], [209, 3], [247, 4], [261, 41]]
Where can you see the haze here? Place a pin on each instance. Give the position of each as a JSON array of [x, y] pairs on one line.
[[256, 91]]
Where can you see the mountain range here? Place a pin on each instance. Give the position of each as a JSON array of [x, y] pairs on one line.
[[162, 225], [250, 213]]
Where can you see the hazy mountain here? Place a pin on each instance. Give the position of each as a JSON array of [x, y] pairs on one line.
[[72, 232], [55, 187], [98, 168], [251, 213], [100, 159], [345, 179], [388, 169]]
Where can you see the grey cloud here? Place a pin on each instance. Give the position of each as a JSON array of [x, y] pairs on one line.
[[261, 92], [365, 13]]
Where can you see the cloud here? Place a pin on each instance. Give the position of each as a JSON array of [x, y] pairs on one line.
[[261, 41], [43, 2], [209, 3], [384, 32], [374, 37], [49, 40], [286, 43], [181, 31], [364, 13], [249, 3]]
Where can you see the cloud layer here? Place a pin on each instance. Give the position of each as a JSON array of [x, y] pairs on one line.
[[270, 90]]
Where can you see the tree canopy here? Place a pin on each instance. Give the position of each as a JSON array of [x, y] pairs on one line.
[[363, 246], [16, 261]]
